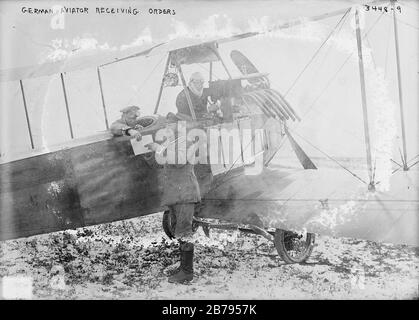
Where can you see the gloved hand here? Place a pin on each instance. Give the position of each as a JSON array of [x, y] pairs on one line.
[[154, 147], [213, 106], [136, 134]]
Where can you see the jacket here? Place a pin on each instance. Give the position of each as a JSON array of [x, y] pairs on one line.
[[119, 126], [199, 103]]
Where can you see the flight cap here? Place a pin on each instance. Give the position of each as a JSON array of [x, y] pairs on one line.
[[130, 109], [197, 76]]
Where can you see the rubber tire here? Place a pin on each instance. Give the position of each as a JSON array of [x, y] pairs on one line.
[[279, 241]]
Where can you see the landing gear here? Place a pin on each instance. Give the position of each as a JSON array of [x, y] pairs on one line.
[[291, 247]]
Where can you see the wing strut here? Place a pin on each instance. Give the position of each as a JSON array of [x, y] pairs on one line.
[[364, 102], [185, 87], [399, 83], [103, 98], [162, 84], [66, 107], [26, 114]]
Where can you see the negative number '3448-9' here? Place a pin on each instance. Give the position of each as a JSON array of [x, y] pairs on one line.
[[382, 8]]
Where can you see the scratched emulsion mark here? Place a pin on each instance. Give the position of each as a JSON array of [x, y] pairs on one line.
[[54, 191], [332, 217]]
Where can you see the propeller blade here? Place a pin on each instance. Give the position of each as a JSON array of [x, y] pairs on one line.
[[301, 155]]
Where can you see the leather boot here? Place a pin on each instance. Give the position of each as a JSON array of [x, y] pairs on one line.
[[185, 271]]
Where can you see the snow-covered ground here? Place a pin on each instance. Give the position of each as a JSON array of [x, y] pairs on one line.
[[130, 260]]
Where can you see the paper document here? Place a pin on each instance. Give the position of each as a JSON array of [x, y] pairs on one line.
[[138, 146]]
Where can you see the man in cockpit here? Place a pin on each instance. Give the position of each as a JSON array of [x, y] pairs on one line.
[[128, 125], [199, 98]]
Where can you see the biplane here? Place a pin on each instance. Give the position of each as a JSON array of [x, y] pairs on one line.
[[100, 178]]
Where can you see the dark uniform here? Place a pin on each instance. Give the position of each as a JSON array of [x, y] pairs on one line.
[[121, 126], [180, 193], [181, 190], [199, 103]]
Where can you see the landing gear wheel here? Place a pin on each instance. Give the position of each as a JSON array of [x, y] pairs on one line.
[[169, 223], [292, 247]]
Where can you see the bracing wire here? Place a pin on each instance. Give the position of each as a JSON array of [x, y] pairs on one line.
[[321, 64], [327, 85], [337, 72], [235, 161], [329, 157], [405, 23], [351, 133], [149, 75], [409, 164], [334, 77], [414, 157], [316, 53], [137, 92], [322, 92], [329, 49], [412, 165]]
